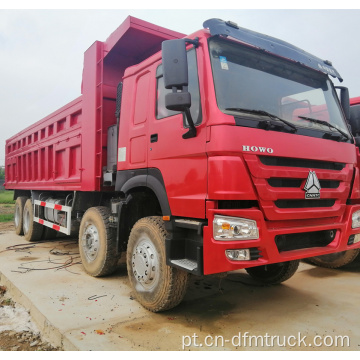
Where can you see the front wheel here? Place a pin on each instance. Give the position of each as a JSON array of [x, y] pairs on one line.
[[274, 274], [336, 260], [157, 286]]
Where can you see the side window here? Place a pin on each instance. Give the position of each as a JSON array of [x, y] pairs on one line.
[[193, 88]]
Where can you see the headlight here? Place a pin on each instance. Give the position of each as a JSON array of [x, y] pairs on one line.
[[355, 219], [230, 228]]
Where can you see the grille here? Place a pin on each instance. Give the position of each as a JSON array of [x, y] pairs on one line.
[[298, 204], [280, 182], [307, 240], [295, 183], [301, 163]]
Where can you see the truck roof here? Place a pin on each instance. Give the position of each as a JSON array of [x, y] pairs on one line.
[[270, 44]]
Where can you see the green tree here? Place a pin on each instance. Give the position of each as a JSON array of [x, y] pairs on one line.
[[2, 173]]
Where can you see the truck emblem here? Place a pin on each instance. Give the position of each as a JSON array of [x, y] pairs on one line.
[[312, 186], [257, 149]]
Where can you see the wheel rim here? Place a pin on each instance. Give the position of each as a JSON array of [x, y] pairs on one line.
[[91, 242], [26, 220], [17, 216], [145, 263]]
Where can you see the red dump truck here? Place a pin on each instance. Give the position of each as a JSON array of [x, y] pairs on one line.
[[223, 150]]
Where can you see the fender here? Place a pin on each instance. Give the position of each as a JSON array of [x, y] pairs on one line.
[[126, 180], [178, 242]]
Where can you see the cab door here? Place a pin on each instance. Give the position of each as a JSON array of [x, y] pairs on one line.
[[182, 162], [133, 131], [138, 135]]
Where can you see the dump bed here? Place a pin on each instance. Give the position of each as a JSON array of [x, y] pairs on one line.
[[67, 149]]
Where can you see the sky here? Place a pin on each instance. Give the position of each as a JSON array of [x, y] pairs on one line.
[[41, 51]]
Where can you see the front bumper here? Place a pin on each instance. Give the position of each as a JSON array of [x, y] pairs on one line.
[[215, 260]]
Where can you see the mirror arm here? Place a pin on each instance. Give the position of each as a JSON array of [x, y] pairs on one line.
[[195, 42], [192, 129]]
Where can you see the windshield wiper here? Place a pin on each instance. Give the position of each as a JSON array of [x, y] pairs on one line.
[[265, 113], [322, 122]]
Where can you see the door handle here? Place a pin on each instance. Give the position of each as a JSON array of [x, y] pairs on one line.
[[153, 138]]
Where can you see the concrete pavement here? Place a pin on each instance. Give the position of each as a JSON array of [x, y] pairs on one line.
[[79, 312]]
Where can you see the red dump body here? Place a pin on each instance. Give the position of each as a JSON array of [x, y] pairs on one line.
[[355, 101], [67, 149]]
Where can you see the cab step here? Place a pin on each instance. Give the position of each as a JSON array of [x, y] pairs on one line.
[[187, 264]]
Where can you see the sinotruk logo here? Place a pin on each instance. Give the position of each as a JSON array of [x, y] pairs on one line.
[[312, 186]]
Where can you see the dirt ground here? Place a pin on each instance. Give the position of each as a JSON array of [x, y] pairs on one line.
[[12, 340], [23, 340], [6, 226]]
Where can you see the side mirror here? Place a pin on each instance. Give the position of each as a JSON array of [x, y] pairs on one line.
[[175, 65], [175, 72], [355, 122], [357, 141], [344, 100], [178, 101]]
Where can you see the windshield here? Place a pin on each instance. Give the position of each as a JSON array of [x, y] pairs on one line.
[[247, 79]]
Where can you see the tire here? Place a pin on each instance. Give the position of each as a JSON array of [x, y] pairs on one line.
[[274, 274], [97, 242], [32, 230], [336, 260], [157, 286], [49, 233], [18, 214]]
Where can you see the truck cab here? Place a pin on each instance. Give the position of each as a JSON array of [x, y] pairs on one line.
[[272, 156]]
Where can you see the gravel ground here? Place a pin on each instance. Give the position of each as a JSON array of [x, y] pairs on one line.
[[17, 332]]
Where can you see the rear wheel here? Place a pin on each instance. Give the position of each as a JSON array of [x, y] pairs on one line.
[[336, 260], [19, 214], [157, 286], [32, 230], [274, 273], [97, 242]]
